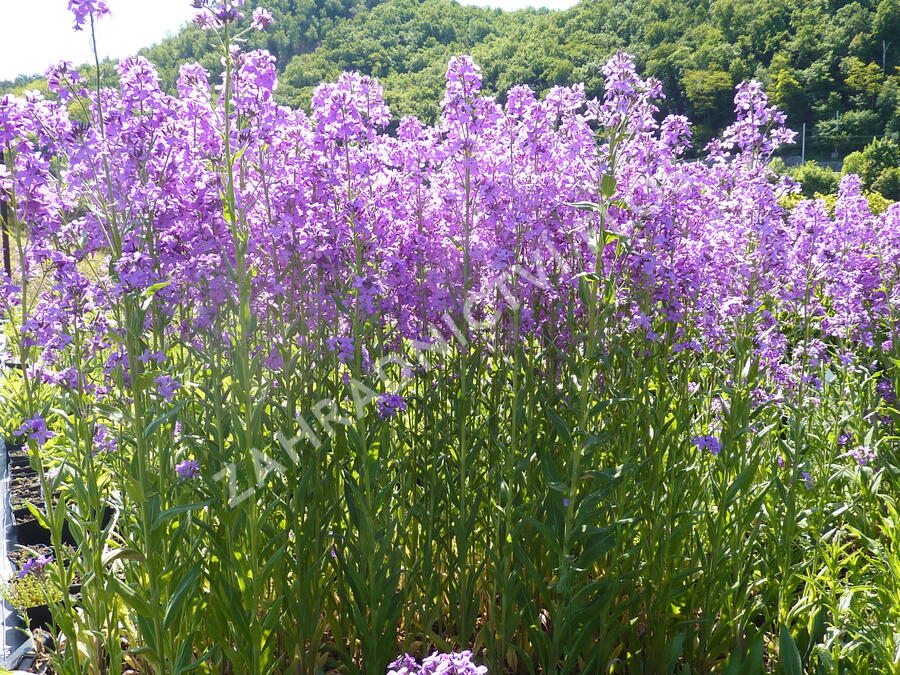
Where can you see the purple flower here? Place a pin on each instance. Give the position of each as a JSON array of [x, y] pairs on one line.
[[166, 387], [388, 405], [711, 443], [885, 389], [64, 80], [808, 481], [262, 19], [215, 14], [148, 356], [405, 665], [82, 9], [344, 346], [863, 454], [187, 469], [104, 441], [37, 431], [35, 566], [453, 663]]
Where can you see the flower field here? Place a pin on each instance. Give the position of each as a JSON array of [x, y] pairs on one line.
[[308, 392]]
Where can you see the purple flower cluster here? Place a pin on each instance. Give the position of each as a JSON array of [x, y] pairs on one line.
[[214, 15], [863, 454], [262, 18], [711, 443], [82, 10], [104, 440], [35, 566], [705, 237], [885, 389], [187, 469], [166, 387], [349, 218], [453, 663], [36, 430], [388, 405]]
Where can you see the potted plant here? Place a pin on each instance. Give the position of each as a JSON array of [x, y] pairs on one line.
[[17, 455], [32, 590], [25, 489], [27, 500]]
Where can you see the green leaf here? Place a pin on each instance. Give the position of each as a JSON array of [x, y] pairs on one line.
[[38, 515], [122, 554], [150, 292], [130, 596], [584, 206], [162, 419], [675, 650], [790, 655], [181, 595], [561, 429], [174, 511], [608, 185]]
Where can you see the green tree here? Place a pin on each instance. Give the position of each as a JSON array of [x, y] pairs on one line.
[[709, 92], [887, 30], [786, 89], [877, 165], [863, 79], [888, 183], [816, 57]]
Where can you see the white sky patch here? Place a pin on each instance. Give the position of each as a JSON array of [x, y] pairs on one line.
[[38, 33], [521, 4]]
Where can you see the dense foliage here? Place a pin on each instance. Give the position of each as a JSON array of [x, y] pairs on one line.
[[878, 165], [829, 63], [522, 381]]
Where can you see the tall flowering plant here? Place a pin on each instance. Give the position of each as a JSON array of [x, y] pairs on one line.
[[306, 385]]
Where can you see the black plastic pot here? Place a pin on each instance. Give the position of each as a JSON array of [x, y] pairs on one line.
[[16, 456], [18, 646], [40, 616], [29, 532]]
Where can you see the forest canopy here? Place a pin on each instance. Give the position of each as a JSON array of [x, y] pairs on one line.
[[828, 63]]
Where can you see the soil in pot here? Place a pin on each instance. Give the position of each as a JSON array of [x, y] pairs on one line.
[[16, 454], [25, 487]]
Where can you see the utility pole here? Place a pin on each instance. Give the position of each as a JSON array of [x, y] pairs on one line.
[[4, 226], [803, 145]]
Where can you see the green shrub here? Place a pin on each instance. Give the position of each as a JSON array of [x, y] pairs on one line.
[[816, 179], [853, 163], [888, 183]]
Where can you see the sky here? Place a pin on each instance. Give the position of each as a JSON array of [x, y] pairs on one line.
[[37, 33]]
